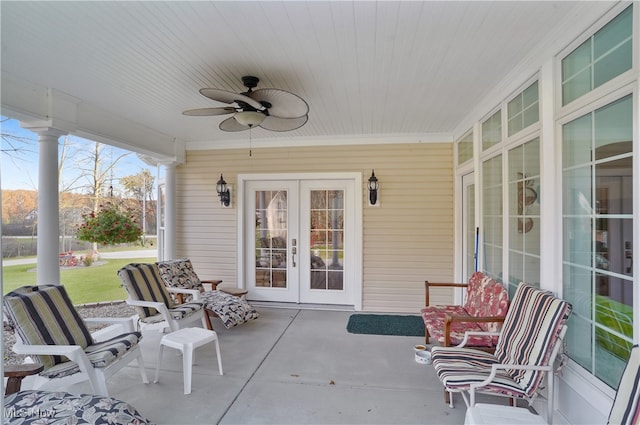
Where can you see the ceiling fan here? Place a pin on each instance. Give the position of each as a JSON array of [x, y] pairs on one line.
[[271, 109]]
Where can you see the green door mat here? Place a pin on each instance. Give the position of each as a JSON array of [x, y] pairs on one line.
[[385, 324]]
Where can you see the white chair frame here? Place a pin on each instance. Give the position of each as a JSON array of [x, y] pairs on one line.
[[549, 369], [97, 377], [172, 323]]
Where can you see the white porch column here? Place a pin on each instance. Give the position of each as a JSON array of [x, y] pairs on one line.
[[170, 212], [48, 271]]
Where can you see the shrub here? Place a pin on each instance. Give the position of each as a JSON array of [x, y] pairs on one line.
[[109, 226]]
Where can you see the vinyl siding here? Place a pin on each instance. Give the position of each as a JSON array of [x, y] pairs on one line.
[[407, 239]]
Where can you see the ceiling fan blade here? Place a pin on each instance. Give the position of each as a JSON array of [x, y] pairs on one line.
[[283, 103], [205, 112], [230, 97], [283, 124], [230, 124]]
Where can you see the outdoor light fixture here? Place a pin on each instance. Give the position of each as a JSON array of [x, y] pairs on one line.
[[373, 186], [250, 118], [223, 192]]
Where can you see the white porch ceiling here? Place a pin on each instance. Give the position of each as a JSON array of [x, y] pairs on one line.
[[368, 70]]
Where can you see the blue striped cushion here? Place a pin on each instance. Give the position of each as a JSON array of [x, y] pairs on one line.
[[531, 328], [100, 355], [143, 283], [626, 406], [177, 313], [44, 315]]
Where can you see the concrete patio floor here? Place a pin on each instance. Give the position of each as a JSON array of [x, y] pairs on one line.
[[290, 366]]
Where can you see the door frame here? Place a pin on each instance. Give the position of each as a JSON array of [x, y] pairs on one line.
[[356, 294]]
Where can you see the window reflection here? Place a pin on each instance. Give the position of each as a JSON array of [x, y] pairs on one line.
[[598, 237]]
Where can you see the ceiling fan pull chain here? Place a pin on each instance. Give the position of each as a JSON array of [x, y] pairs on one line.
[[250, 140]]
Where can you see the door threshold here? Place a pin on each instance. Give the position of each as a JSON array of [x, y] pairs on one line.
[[302, 306]]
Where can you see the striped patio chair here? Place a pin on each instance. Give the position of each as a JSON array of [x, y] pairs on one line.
[[153, 301], [50, 329], [624, 411], [528, 344]]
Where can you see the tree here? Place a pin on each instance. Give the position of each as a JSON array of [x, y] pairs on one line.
[[13, 144], [71, 207], [95, 171], [140, 186], [19, 206]]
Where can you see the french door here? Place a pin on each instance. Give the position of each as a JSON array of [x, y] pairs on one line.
[[469, 235], [299, 240]]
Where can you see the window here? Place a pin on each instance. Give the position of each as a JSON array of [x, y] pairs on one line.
[[524, 214], [492, 217], [597, 153], [465, 148], [492, 131], [604, 56], [522, 111]]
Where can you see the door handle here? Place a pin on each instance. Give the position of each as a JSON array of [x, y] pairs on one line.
[[294, 251]]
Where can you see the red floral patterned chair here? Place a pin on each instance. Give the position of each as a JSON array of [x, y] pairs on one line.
[[485, 307]]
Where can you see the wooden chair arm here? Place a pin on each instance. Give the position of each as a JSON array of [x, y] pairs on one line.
[[487, 319], [16, 373], [214, 283], [427, 284], [449, 318]]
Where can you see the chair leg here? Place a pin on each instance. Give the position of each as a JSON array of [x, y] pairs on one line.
[[448, 398], [426, 335], [209, 318]]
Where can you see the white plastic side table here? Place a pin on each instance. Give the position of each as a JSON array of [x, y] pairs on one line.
[[186, 340]]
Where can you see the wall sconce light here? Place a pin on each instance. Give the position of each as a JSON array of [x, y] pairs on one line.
[[373, 186], [223, 192]]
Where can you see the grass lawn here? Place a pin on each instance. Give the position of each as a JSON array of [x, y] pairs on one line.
[[84, 284]]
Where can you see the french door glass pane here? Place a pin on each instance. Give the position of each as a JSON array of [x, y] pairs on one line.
[[271, 238], [327, 239]]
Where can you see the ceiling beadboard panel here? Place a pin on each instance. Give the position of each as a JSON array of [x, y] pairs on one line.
[[366, 68], [407, 239]]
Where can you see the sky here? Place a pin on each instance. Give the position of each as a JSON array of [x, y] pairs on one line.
[[19, 170]]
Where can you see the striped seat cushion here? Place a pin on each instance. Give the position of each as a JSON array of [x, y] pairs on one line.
[[44, 315], [457, 368], [178, 312], [143, 283], [531, 328], [100, 355], [626, 405]]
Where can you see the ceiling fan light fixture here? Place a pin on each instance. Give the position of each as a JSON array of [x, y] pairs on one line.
[[250, 118]]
